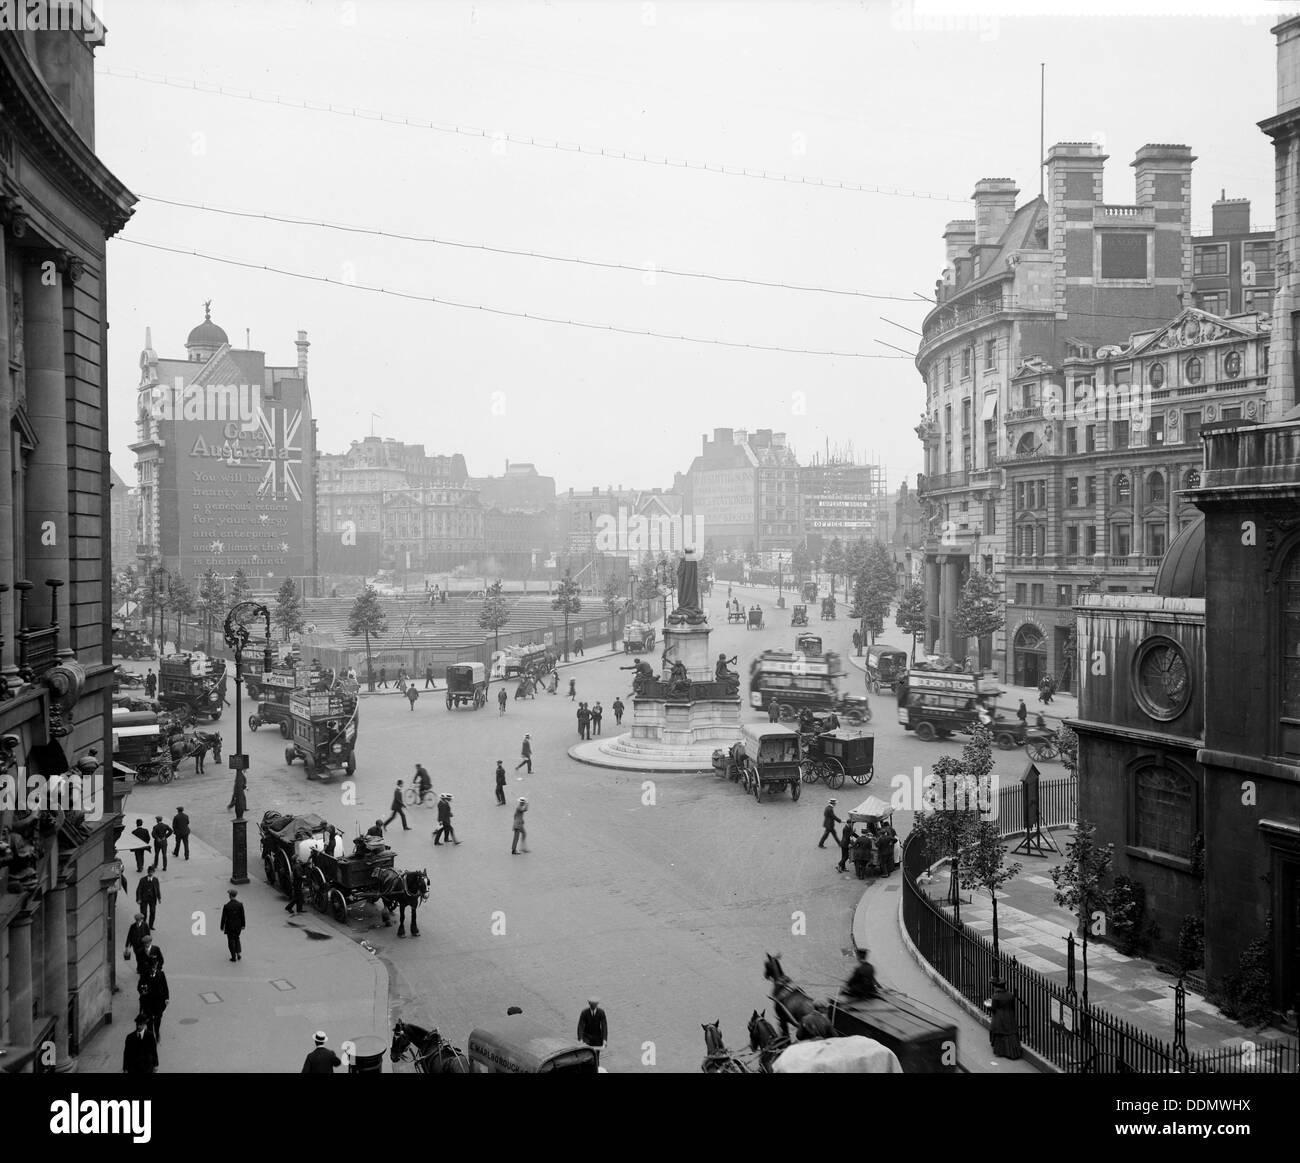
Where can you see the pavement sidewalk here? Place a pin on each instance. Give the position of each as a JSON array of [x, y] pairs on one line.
[[298, 975]]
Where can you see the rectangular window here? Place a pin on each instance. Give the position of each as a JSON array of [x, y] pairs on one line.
[[1258, 300], [1072, 492], [1063, 595], [990, 519], [1090, 438], [1191, 427], [965, 363], [1072, 540], [1020, 495], [1214, 302], [1071, 441], [1264, 365], [1233, 413], [1119, 434], [1156, 540], [1020, 593], [947, 372], [1124, 255], [965, 415], [1091, 493], [1036, 594], [1210, 260], [1090, 539], [1164, 812], [1121, 540], [990, 354], [1155, 430], [1260, 253]]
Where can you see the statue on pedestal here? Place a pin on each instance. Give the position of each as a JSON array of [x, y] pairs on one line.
[[724, 674], [689, 610]]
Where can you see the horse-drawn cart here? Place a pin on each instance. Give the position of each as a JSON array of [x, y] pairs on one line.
[[141, 744], [638, 638], [800, 616], [754, 620], [466, 685], [832, 755], [767, 758], [828, 609], [337, 884], [735, 613]]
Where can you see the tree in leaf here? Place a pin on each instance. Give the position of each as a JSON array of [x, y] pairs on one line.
[[983, 867], [495, 612], [615, 604], [125, 590], [834, 561], [911, 615], [288, 609], [367, 618], [1068, 742], [647, 581], [1079, 880], [211, 604], [182, 603], [801, 563], [567, 601], [980, 609], [240, 590]]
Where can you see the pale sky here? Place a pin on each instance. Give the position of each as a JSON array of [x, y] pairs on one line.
[[829, 92]]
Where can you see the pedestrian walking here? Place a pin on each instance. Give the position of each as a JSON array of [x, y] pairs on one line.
[[774, 712], [151, 684], [428, 677], [829, 820], [501, 701], [161, 833], [321, 1059], [297, 887], [1004, 1035], [401, 679], [411, 695], [618, 711], [527, 752], [597, 713], [233, 924], [143, 843], [181, 830], [577, 645], [857, 642], [423, 784], [573, 689], [501, 783], [1022, 712], [148, 895], [584, 720], [154, 994], [445, 830], [238, 800], [847, 836], [140, 1052], [383, 678], [521, 834], [593, 1028], [399, 807], [135, 936]]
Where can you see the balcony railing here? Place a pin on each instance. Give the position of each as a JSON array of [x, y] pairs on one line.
[[1031, 412], [947, 480], [957, 316], [38, 647], [1134, 213]]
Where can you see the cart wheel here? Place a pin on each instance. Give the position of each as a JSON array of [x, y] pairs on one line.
[[284, 729], [1006, 741], [320, 890], [165, 772], [795, 790], [834, 774], [786, 712], [1040, 750], [268, 867], [253, 723], [143, 775], [925, 731], [862, 778], [808, 772], [290, 755], [351, 766], [338, 906], [758, 790]]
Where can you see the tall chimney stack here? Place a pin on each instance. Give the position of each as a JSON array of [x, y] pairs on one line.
[[302, 345]]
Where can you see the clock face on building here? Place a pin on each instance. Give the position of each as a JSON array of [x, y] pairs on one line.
[[1232, 364], [1162, 679]]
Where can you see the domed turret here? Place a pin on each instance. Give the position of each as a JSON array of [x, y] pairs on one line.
[[206, 338], [1182, 573]]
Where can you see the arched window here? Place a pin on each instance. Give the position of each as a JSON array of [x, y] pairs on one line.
[[1156, 488], [1123, 488], [1026, 445], [1194, 370], [1157, 376], [1290, 662], [1164, 817]]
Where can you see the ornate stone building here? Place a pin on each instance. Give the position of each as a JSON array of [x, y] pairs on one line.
[[58, 872]]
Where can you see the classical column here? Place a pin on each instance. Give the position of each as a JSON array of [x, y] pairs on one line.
[[8, 663], [47, 407], [1137, 541], [21, 1029], [55, 992], [931, 602], [951, 591], [1172, 483]]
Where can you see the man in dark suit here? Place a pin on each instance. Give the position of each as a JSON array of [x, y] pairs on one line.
[[145, 841], [148, 895], [140, 1054], [829, 820], [232, 924], [593, 1029], [181, 830], [136, 934], [398, 807], [160, 836], [321, 1060]]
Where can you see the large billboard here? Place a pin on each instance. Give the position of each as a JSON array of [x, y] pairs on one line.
[[242, 460]]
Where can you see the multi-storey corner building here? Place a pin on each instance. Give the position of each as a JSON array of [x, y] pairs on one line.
[[1101, 456], [225, 454], [59, 874], [1232, 266], [1019, 284]]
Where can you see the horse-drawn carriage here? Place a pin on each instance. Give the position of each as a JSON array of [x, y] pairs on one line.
[[809, 592], [800, 616], [832, 755], [886, 666], [735, 613], [533, 660], [754, 619], [828, 609], [141, 744], [638, 638], [324, 731], [466, 685], [1008, 734], [766, 758]]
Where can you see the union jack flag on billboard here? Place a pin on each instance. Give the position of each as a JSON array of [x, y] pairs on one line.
[[278, 431]]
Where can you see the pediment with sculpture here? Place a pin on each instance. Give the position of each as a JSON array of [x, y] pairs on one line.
[[1193, 328]]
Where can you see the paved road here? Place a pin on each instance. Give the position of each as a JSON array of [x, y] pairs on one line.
[[660, 893]]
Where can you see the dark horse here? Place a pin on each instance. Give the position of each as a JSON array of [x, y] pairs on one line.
[[196, 747], [762, 1037], [400, 890], [790, 1003], [718, 1059], [428, 1049]]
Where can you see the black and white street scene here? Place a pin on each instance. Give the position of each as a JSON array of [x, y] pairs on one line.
[[805, 495]]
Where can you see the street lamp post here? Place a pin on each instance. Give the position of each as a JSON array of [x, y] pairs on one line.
[[236, 634]]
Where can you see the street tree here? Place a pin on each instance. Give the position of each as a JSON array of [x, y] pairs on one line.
[[980, 610], [367, 618], [210, 604], [834, 561], [495, 612], [801, 563], [567, 601], [288, 609], [1080, 879], [182, 603], [615, 604], [984, 867], [240, 590], [911, 616]]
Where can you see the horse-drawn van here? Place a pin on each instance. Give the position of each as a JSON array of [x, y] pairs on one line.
[[519, 1045], [140, 744], [768, 757], [466, 685]]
